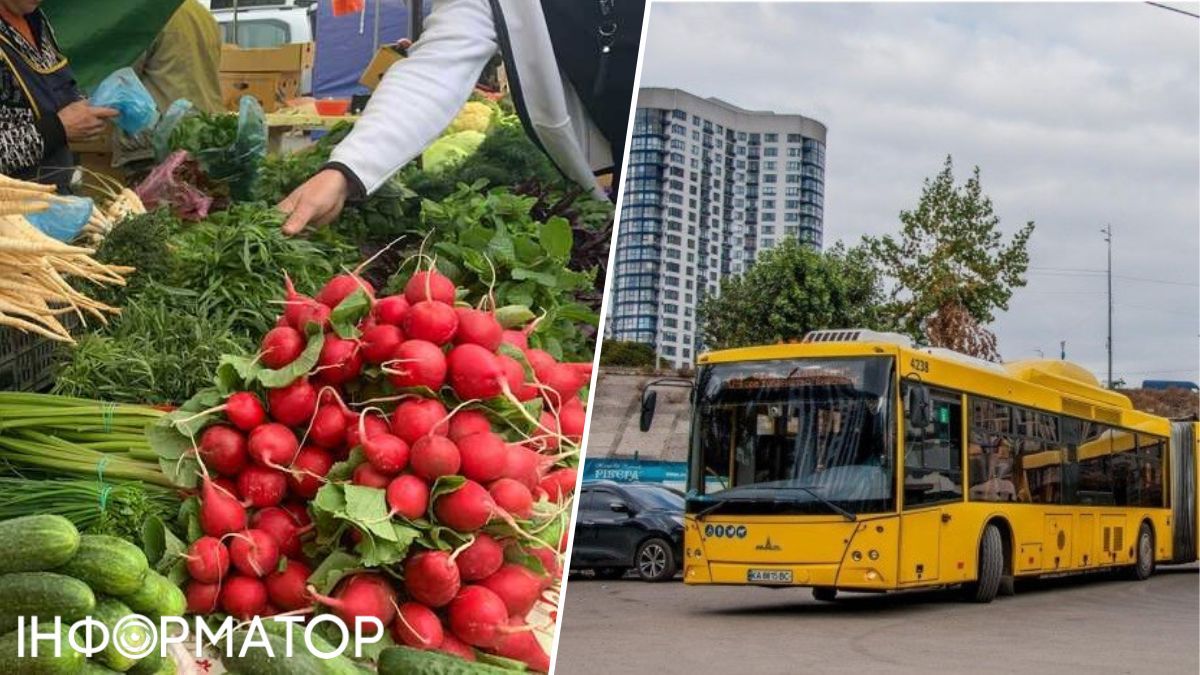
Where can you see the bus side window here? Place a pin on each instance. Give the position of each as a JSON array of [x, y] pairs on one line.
[[933, 455]]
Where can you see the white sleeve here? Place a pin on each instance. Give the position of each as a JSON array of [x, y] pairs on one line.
[[420, 95]]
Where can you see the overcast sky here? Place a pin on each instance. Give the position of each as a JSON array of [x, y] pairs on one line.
[[1077, 114]]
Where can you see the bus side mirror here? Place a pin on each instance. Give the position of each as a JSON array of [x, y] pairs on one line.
[[917, 407], [649, 400]]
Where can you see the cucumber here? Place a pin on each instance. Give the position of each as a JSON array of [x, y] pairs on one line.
[[409, 661], [68, 661], [96, 668], [109, 565], [110, 611], [36, 543], [156, 597], [338, 665], [42, 594], [258, 662], [154, 664]]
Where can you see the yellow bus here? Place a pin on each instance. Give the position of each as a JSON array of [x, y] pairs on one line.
[[856, 461]]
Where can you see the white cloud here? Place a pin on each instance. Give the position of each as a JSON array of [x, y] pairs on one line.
[[1078, 115]]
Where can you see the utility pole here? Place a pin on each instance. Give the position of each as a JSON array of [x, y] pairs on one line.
[[1062, 345], [1107, 230]]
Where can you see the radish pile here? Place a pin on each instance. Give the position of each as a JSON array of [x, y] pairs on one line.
[[406, 457]]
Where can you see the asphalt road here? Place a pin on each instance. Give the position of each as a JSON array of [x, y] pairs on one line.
[[1068, 625]]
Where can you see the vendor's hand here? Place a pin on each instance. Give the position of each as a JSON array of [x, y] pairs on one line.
[[83, 121], [318, 201]]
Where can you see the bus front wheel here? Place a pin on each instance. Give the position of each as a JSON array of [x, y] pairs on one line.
[[991, 567], [1143, 566]]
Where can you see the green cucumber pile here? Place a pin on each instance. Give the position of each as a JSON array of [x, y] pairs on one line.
[[49, 570]]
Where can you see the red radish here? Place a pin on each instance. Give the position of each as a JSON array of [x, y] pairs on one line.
[[483, 456], [515, 338], [564, 383], [362, 595], [281, 346], [328, 428], [540, 361], [478, 327], [521, 465], [549, 561], [299, 513], [408, 496], [244, 410], [435, 456], [512, 496], [367, 475], [379, 343], [254, 553], [474, 372], [480, 559], [517, 586], [417, 363], [341, 287], [227, 485], [431, 578], [429, 285], [520, 644], [310, 312], [559, 484], [273, 444], [223, 449], [571, 418], [455, 647], [261, 486], [207, 560], [467, 509], [202, 598], [431, 321], [308, 469], [391, 310], [340, 361], [220, 512], [477, 615], [467, 422], [416, 418], [417, 626], [374, 424], [550, 430], [387, 453], [288, 588], [294, 404], [281, 525], [514, 374], [243, 597]]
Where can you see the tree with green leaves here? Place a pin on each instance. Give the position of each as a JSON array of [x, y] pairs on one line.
[[949, 266], [790, 290], [628, 354]]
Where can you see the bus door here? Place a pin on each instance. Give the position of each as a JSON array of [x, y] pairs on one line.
[[932, 481]]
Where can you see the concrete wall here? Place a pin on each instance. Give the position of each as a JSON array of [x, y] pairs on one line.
[[615, 410]]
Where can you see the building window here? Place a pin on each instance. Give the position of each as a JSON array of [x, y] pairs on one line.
[[795, 138], [771, 151], [679, 114], [771, 138]]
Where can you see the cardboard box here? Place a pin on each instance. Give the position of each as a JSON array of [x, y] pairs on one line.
[[283, 59], [383, 59], [271, 89]]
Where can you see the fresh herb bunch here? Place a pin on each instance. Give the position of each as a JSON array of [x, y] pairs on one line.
[[204, 131], [140, 242], [280, 174], [236, 261], [94, 506], [488, 241], [165, 346]]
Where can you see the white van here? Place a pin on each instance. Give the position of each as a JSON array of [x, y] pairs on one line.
[[266, 24]]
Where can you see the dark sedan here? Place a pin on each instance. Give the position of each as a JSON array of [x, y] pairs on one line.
[[623, 526]]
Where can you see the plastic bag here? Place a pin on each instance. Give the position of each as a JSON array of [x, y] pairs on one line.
[[65, 218], [168, 185], [178, 110], [123, 91], [236, 164]]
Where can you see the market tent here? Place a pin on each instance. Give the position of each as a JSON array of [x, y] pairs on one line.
[[345, 44], [99, 41]]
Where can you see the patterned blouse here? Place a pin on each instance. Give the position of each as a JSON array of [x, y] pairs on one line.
[[22, 139]]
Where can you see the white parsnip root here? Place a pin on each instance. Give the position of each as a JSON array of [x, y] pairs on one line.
[[34, 267]]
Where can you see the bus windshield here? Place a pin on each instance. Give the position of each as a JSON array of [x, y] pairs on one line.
[[794, 436]]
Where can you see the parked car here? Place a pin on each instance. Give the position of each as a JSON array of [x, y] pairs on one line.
[[623, 526]]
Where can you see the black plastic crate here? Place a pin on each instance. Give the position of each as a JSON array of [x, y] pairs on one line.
[[27, 359]]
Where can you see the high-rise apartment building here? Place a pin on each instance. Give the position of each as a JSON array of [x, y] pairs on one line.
[[708, 186]]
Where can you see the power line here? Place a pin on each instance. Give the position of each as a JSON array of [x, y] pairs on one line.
[[1066, 272], [1173, 9]]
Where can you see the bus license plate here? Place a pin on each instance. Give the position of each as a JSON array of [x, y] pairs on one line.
[[769, 576]]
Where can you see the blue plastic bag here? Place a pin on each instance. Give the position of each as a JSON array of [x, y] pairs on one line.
[[65, 218], [125, 92]]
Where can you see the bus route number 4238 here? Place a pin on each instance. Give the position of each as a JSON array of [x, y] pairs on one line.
[[769, 576]]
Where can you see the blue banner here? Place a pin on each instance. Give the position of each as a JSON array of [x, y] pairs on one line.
[[634, 470]]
